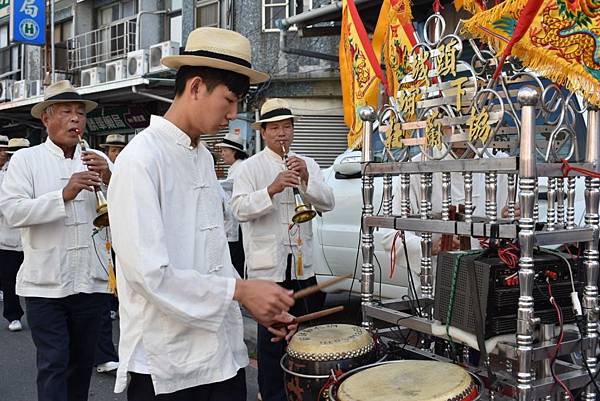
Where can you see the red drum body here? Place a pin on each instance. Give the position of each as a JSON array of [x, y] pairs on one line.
[[315, 353], [407, 380]]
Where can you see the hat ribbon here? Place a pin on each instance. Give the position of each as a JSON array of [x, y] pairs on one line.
[[276, 113], [224, 57]]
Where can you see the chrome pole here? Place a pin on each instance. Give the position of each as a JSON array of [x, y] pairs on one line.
[[387, 195], [560, 208], [426, 240], [404, 195], [570, 203], [551, 211], [529, 98], [446, 196], [512, 194], [590, 255], [491, 190], [468, 181], [367, 115]]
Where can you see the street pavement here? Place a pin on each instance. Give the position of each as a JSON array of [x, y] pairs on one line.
[[17, 358]]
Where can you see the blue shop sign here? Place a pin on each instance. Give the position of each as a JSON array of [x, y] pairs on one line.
[[28, 21]]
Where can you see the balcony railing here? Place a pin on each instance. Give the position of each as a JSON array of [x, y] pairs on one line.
[[101, 45]]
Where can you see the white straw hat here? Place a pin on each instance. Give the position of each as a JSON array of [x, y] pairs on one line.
[[232, 141], [61, 92], [217, 48], [115, 140], [15, 144], [273, 110]]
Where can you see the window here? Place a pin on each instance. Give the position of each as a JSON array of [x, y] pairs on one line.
[[3, 35], [63, 31], [175, 29], [273, 10], [208, 13], [173, 5]]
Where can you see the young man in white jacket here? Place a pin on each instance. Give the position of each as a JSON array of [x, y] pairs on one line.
[[181, 324], [48, 192], [275, 249]]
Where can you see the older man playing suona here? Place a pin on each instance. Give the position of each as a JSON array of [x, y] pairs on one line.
[[48, 193]]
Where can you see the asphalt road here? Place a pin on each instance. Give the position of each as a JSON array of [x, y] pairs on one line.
[[18, 372]]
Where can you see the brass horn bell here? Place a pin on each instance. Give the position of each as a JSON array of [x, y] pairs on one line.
[[303, 211]]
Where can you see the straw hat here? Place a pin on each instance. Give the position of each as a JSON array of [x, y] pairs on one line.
[[61, 92], [217, 48], [15, 144], [3, 141], [232, 141], [273, 110], [115, 140]]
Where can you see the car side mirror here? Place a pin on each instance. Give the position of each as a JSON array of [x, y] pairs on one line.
[[348, 166]]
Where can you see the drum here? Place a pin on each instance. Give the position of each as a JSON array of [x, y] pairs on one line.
[[315, 352], [407, 380]]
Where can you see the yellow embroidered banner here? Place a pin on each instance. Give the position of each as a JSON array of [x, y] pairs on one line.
[[562, 43], [399, 41], [360, 72]]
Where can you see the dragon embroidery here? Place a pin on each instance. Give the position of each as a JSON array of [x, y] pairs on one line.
[[574, 41]]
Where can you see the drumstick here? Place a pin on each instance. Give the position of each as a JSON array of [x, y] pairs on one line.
[[316, 288], [310, 316]]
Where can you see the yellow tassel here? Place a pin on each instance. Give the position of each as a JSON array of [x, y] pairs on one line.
[[299, 266], [299, 263], [112, 277]]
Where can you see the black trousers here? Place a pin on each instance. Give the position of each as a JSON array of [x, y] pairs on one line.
[[236, 250], [64, 332], [270, 375], [10, 262], [234, 389], [105, 350]]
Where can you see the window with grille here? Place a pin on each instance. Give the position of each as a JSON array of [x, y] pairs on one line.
[[273, 10], [208, 13]]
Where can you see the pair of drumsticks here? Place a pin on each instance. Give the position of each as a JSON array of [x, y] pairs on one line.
[[312, 290]]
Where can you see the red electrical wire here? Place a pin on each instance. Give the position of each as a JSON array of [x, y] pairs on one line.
[[559, 342], [509, 255], [566, 168]]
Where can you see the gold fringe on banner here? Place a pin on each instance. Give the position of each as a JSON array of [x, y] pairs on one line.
[[561, 44]]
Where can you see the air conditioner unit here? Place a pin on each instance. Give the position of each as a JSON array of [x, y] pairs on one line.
[[159, 51], [137, 63], [6, 90], [19, 91], [93, 76], [116, 70], [35, 88]]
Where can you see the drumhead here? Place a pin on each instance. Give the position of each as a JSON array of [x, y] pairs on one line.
[[408, 381], [330, 342]]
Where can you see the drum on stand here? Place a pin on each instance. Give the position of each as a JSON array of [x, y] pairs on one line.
[[407, 380], [316, 353]]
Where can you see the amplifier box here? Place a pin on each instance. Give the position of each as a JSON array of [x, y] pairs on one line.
[[498, 290]]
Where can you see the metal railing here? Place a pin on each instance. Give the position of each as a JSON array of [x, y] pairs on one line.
[[103, 44], [10, 59]]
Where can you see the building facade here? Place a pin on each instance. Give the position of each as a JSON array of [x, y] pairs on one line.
[[111, 51]]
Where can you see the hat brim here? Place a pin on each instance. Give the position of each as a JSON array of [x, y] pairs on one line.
[[257, 124], [13, 150], [175, 62], [225, 145], [39, 108], [114, 145]]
